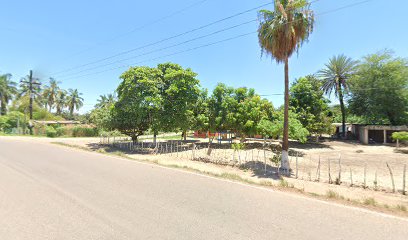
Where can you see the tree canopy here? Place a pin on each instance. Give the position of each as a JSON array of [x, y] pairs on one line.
[[308, 102], [379, 89]]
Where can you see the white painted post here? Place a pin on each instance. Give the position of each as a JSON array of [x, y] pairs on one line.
[[297, 168], [403, 179], [385, 136]]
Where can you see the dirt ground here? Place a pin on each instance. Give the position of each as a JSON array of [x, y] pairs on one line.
[[249, 164]]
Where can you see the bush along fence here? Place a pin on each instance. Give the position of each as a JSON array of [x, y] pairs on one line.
[[264, 160]]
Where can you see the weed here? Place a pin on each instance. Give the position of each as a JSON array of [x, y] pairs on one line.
[[283, 183], [337, 181], [401, 207], [266, 183], [370, 202], [313, 194], [332, 194]]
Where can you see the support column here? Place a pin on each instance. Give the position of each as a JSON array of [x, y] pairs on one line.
[[365, 136], [385, 136]]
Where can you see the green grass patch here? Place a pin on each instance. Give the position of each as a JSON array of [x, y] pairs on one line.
[[332, 194], [370, 202]]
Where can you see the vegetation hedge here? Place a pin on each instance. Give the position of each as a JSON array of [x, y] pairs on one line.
[[50, 132], [82, 131]]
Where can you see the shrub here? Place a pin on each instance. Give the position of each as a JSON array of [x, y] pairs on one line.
[[402, 136], [50, 132], [62, 131], [82, 131]]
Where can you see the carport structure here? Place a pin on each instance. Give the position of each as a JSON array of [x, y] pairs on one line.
[[378, 133]]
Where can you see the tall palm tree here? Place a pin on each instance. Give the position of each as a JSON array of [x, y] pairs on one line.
[[25, 90], [335, 78], [105, 100], [7, 91], [74, 100], [281, 32], [60, 101], [50, 93]]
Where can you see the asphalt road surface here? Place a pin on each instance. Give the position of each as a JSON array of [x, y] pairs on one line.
[[53, 192]]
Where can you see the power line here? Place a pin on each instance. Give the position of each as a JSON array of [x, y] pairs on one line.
[[164, 40], [232, 38], [172, 54], [146, 25], [164, 48]]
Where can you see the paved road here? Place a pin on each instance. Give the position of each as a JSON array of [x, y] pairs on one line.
[[52, 192]]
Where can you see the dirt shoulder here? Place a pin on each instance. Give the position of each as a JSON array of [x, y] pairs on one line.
[[384, 201]]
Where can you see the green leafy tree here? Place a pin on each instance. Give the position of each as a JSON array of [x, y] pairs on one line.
[[138, 101], [179, 90], [308, 102], [379, 89], [281, 32], [222, 106], [296, 130], [251, 111], [200, 120], [101, 114], [335, 77], [74, 100], [7, 91], [105, 100], [50, 93], [61, 101], [12, 120]]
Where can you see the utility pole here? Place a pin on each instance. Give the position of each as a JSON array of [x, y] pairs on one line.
[[31, 82]]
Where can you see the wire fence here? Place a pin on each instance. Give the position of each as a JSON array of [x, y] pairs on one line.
[[329, 167]]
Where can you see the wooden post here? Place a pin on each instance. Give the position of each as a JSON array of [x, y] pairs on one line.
[[297, 168], [375, 181], [392, 177], [318, 170], [339, 182], [193, 157], [404, 174], [351, 177], [330, 180], [265, 159]]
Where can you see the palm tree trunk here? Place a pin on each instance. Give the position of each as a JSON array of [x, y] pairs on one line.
[[343, 112], [285, 143], [3, 110]]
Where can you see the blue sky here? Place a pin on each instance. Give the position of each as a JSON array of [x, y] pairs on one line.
[[52, 36]]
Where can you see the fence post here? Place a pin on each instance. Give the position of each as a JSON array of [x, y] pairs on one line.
[[297, 155], [339, 182], [403, 179], [265, 159], [330, 180], [392, 177], [375, 181], [318, 170], [193, 153]]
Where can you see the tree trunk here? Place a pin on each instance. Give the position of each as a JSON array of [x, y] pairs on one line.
[[285, 143], [343, 112], [154, 138], [134, 139], [3, 108], [185, 135]]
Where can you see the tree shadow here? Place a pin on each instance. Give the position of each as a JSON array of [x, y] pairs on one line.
[[261, 171], [401, 150]]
